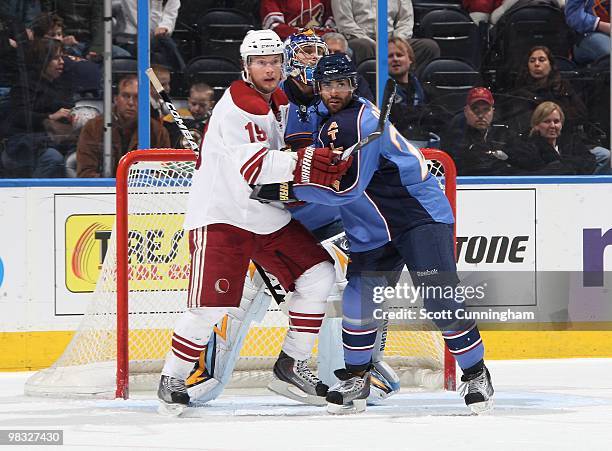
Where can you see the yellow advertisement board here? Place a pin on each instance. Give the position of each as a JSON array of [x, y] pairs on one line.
[[158, 251]]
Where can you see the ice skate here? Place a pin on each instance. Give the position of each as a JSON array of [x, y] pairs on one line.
[[173, 397], [477, 389], [293, 379], [350, 394]]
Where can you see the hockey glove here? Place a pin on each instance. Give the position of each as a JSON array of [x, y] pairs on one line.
[[316, 165]]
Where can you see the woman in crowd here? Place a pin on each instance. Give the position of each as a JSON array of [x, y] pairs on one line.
[[538, 81], [548, 152], [40, 116]]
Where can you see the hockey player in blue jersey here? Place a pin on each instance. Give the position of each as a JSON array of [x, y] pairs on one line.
[[394, 213], [302, 52]]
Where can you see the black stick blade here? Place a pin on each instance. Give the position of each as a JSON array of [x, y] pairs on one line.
[[387, 102]]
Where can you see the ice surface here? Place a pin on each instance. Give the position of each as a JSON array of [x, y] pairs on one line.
[[539, 405]]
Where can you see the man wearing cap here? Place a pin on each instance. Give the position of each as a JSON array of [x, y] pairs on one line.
[[477, 145]]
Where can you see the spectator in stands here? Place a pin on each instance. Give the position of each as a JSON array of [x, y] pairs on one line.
[[8, 52], [40, 122], [337, 43], [509, 6], [7, 43], [16, 17], [201, 101], [124, 132], [477, 146], [81, 75], [83, 20], [356, 19], [539, 80], [547, 151], [401, 59], [21, 11], [199, 108], [590, 19], [410, 99], [162, 16], [288, 17], [480, 10]]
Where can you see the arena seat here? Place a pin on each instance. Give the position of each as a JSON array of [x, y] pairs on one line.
[[422, 7], [447, 81], [125, 65], [222, 31], [216, 71], [519, 30], [367, 69], [455, 33]]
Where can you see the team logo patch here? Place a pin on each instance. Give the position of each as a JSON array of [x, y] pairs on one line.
[[222, 286], [332, 131]]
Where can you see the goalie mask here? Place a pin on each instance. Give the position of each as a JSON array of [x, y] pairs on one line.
[[337, 66], [302, 51]]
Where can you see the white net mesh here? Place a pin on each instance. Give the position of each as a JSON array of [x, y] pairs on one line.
[[158, 279]]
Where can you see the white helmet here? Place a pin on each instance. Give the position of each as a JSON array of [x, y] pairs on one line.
[[259, 42]]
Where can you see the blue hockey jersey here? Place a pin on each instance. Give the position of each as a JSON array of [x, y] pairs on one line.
[[387, 189], [304, 119]]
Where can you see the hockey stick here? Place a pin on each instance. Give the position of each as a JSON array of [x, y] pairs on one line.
[[176, 117], [388, 98], [268, 283]]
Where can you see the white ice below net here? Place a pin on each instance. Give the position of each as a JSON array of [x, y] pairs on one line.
[[87, 368]]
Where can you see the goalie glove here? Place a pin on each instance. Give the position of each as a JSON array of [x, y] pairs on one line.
[[318, 166]]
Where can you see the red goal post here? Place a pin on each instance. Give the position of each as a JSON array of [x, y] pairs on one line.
[[441, 166]]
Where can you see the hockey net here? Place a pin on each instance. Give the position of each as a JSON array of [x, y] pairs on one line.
[[126, 330]]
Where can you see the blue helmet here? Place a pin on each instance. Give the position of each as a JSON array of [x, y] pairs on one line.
[[296, 44], [336, 66]]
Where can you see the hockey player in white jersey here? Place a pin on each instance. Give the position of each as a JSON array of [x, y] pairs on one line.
[[227, 229]]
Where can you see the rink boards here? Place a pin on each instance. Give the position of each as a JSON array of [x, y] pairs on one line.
[[547, 230]]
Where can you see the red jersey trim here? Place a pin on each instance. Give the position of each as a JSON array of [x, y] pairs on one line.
[[249, 100], [252, 168]]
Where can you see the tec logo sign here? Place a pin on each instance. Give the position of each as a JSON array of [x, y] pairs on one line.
[[595, 242]]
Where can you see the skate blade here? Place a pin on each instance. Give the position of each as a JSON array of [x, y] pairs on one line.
[[170, 409], [482, 408], [292, 392], [357, 406]]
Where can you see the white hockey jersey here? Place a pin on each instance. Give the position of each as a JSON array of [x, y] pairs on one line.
[[240, 148]]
